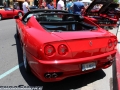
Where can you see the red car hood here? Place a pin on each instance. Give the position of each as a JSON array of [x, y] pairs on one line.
[[105, 4]]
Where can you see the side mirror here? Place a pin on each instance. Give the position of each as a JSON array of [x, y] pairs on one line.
[[16, 17]]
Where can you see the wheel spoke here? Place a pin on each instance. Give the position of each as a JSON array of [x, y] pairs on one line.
[[0, 17]]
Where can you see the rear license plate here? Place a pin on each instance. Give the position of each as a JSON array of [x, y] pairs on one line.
[[88, 66]]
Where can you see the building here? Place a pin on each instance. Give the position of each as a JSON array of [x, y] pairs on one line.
[[1, 3]]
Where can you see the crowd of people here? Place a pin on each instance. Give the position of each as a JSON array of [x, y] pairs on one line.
[[76, 7]]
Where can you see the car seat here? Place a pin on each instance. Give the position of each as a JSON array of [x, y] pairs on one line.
[[70, 27], [41, 18], [70, 19]]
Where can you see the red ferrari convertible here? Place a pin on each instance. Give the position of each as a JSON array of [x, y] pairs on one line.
[[9, 13], [57, 45]]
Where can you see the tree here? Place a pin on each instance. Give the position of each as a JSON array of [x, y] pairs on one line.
[[116, 1]]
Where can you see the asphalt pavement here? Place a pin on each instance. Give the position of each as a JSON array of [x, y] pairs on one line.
[[12, 72]]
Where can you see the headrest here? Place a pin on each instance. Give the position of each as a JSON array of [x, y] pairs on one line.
[[81, 18], [41, 18], [70, 19]]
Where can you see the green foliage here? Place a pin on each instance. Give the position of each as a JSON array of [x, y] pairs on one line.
[[116, 1]]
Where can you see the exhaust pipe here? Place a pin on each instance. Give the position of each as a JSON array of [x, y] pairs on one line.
[[48, 75], [54, 75]]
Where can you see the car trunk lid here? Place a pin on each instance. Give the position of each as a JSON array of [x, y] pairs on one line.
[[86, 44]]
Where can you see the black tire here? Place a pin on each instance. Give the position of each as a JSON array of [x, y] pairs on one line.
[[0, 17], [25, 62], [17, 34]]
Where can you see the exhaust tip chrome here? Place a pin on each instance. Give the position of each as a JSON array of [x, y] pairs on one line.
[[54, 75], [48, 75]]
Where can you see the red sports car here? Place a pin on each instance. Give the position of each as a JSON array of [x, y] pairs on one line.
[[102, 12], [9, 12], [57, 45]]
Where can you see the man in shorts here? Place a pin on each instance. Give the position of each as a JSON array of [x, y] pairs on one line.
[[60, 5], [26, 6]]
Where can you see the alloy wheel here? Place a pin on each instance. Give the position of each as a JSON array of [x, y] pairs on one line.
[[0, 17], [26, 65], [19, 14]]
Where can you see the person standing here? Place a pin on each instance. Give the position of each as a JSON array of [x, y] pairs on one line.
[[69, 6], [43, 5], [18, 7], [14, 5], [78, 7], [60, 5], [26, 6], [50, 5], [5, 5]]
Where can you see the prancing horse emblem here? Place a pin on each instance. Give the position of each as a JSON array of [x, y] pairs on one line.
[[90, 43]]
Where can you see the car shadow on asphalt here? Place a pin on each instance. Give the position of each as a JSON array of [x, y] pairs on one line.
[[7, 19], [66, 84]]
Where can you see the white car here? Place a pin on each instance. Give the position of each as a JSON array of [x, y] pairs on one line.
[[86, 2]]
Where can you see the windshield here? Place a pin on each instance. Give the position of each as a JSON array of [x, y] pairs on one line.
[[8, 8]]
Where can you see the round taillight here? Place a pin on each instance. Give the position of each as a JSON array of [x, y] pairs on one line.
[[115, 42], [110, 43], [62, 49], [49, 50]]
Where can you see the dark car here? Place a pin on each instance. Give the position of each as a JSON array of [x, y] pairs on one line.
[[34, 7]]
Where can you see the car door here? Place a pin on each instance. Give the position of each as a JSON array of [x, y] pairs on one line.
[[21, 28], [9, 12]]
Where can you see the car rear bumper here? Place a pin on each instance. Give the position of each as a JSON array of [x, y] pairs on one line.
[[66, 68]]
